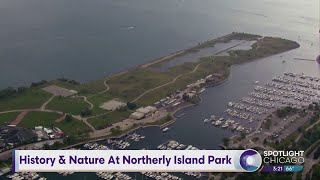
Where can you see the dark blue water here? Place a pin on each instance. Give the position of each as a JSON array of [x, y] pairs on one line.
[[85, 40]]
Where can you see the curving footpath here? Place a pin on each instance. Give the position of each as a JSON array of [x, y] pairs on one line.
[[174, 80]]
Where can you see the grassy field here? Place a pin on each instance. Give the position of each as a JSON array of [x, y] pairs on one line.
[[7, 117], [74, 127], [264, 47], [207, 66], [103, 121], [97, 101], [31, 98], [68, 105]]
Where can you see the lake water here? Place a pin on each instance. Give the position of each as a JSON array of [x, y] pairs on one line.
[[85, 40]]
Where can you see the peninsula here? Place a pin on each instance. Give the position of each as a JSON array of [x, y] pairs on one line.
[[144, 95]]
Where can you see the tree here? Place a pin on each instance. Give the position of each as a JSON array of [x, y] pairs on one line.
[[310, 107], [68, 118], [242, 135], [225, 141], [69, 140], [316, 154], [86, 112], [265, 141], [131, 105]]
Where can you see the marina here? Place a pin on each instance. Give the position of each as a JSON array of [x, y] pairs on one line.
[[26, 176]]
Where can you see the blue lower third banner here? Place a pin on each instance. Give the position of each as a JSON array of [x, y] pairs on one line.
[[136, 160]]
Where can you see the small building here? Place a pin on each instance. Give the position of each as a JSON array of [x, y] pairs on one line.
[[38, 128], [191, 94], [216, 77], [137, 115], [143, 110], [58, 132], [16, 135], [152, 109]]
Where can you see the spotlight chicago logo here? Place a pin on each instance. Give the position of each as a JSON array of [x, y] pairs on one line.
[[283, 157]]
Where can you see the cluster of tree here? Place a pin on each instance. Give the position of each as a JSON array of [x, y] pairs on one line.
[[69, 140], [226, 141], [309, 137], [314, 106], [116, 131], [9, 92], [68, 81], [131, 105], [68, 118], [316, 172], [316, 154], [285, 111], [86, 112], [36, 84]]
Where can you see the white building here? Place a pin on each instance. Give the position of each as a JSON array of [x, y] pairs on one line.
[[137, 115]]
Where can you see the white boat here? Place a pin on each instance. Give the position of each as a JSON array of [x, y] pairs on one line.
[[256, 82], [165, 129], [217, 123], [225, 125], [206, 120]]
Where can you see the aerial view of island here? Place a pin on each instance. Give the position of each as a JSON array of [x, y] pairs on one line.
[[235, 90]]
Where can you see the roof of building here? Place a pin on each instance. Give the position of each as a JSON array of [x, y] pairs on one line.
[[143, 110], [137, 115], [16, 134]]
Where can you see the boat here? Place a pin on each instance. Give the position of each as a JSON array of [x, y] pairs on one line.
[[256, 82], [217, 123], [165, 129], [206, 120], [203, 89], [225, 125]]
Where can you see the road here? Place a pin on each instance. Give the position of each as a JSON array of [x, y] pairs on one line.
[[7, 154]]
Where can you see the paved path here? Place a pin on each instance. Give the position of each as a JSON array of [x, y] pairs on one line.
[[85, 121], [104, 91], [174, 80], [86, 100], [311, 126], [43, 107], [8, 154]]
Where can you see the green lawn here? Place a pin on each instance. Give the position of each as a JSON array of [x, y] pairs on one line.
[[68, 105], [98, 100], [74, 127], [207, 67], [7, 117], [31, 98], [103, 121]]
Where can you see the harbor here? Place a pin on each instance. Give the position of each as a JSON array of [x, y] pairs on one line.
[[239, 104]]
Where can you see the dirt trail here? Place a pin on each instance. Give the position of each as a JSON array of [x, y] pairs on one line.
[[60, 119], [19, 118]]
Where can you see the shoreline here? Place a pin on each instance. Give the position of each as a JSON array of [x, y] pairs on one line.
[[163, 58], [173, 113]]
